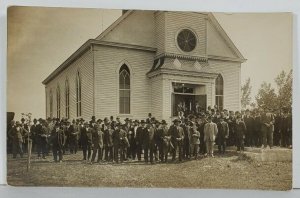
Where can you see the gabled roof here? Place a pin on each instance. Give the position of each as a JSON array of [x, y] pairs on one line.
[[222, 32], [114, 24]]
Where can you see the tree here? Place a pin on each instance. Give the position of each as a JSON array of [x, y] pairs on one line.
[[284, 84], [266, 97], [246, 91]]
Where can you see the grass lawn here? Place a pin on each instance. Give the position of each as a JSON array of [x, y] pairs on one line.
[[229, 171]]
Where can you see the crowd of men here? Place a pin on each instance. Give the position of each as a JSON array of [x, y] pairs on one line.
[[187, 137]]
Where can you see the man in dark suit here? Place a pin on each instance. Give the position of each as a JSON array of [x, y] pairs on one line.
[[149, 142], [116, 136], [33, 131], [73, 137], [139, 139], [58, 140], [222, 135], [249, 120], [163, 141], [86, 141], [16, 133], [97, 143], [177, 136], [42, 138], [240, 133], [186, 139]]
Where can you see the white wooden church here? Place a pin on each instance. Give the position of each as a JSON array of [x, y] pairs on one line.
[[148, 61]]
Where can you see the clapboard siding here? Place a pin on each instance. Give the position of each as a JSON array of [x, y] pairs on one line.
[[231, 73], [107, 63], [84, 65], [160, 32], [138, 25], [176, 21], [157, 97]]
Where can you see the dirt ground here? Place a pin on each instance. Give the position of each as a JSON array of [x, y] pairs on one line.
[[229, 171]]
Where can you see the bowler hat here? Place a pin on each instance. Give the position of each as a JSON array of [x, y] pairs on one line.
[[22, 119], [126, 119], [143, 122], [164, 122], [93, 118], [176, 120]]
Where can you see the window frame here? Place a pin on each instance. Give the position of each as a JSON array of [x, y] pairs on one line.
[[78, 85], [122, 109], [67, 99], [58, 104], [219, 91]]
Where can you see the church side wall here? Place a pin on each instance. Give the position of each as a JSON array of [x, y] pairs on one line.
[[85, 66], [108, 61], [157, 97], [231, 72]]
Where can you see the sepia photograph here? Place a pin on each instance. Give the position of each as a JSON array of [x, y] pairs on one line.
[[149, 98]]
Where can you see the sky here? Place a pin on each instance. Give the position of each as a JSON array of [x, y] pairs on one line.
[[40, 39]]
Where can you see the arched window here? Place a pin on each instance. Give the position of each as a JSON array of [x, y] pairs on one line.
[[67, 98], [220, 92], [58, 102], [124, 90], [51, 103], [78, 94]]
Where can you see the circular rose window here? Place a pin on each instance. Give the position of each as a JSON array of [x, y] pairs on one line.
[[186, 40]]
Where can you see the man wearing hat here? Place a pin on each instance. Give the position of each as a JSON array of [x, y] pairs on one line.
[[210, 132], [86, 141], [33, 131], [240, 133], [200, 126], [187, 137], [149, 141], [164, 141], [23, 125], [131, 151], [108, 140], [73, 132], [97, 143], [116, 137], [177, 135], [93, 120], [58, 141], [249, 122], [42, 138], [17, 139], [222, 136], [139, 138]]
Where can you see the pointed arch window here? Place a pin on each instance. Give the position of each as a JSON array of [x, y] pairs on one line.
[[58, 102], [124, 90], [220, 92], [51, 103], [67, 98], [78, 94]]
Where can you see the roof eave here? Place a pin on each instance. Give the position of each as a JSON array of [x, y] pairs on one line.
[[68, 61]]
